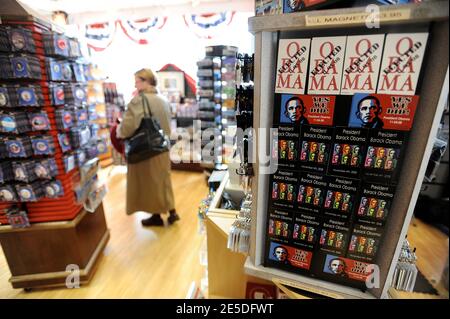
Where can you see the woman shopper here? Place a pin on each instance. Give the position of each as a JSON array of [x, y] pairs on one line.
[[149, 187]]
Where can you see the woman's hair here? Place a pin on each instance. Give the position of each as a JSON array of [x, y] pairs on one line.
[[147, 75]]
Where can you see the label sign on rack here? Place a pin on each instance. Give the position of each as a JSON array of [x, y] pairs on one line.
[[358, 18]]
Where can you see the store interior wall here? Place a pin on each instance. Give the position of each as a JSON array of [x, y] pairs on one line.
[[175, 43]]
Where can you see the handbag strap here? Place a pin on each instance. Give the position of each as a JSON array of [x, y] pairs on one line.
[[146, 106]]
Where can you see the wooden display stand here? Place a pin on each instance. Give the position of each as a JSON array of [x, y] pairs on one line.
[[38, 256], [433, 95], [226, 275]]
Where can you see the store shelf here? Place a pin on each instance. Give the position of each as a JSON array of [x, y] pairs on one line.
[[433, 94], [350, 17], [312, 285], [79, 242]]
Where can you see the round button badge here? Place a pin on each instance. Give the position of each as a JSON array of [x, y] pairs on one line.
[[49, 190], [8, 124], [41, 146], [101, 148], [41, 171], [57, 188], [19, 174], [26, 96], [6, 195], [25, 193], [18, 40], [67, 118], [79, 93], [39, 122], [15, 148], [62, 44], [60, 94], [3, 99], [56, 68], [67, 72], [66, 140], [19, 66]]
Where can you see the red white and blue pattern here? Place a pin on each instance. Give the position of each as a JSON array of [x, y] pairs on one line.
[[99, 36], [207, 26], [140, 31]]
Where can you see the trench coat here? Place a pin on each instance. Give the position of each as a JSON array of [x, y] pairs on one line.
[[149, 186]]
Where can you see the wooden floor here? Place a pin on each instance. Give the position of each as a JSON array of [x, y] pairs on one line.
[[432, 252], [139, 262], [157, 262]]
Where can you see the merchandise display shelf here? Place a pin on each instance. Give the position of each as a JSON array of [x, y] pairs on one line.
[[77, 242], [433, 95]]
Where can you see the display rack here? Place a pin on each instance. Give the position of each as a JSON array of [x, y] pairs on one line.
[[54, 64], [216, 99], [99, 115], [54, 224], [115, 107], [179, 89], [433, 95]]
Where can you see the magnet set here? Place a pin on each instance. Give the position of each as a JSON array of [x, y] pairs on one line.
[[8, 194], [64, 119], [342, 167], [45, 169], [64, 142], [80, 157], [74, 49], [78, 72], [6, 172], [56, 44], [39, 121], [20, 66], [58, 70], [18, 147], [17, 218], [7, 96], [43, 145], [16, 39], [75, 94], [13, 122], [5, 45], [102, 147], [24, 171], [53, 189], [18, 96], [57, 94], [82, 118], [30, 192], [80, 136]]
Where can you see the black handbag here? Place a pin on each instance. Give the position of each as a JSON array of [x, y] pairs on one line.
[[148, 140]]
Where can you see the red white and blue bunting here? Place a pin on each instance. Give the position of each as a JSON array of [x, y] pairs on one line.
[[140, 31], [207, 26], [99, 36]]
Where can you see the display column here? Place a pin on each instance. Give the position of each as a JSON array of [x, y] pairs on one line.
[[97, 103], [46, 139]]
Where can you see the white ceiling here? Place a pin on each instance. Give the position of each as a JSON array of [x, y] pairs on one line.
[[88, 11], [80, 6]]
